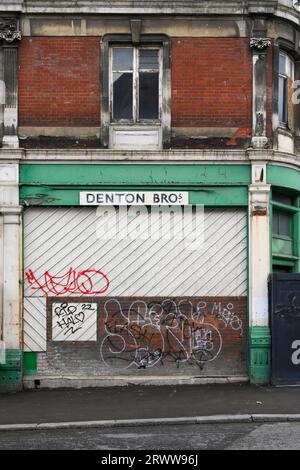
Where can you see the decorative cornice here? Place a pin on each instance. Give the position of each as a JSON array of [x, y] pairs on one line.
[[159, 157], [260, 43], [9, 30], [285, 9], [296, 4]]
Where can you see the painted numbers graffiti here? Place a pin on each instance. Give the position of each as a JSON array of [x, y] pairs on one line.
[[74, 321], [144, 334], [72, 282]]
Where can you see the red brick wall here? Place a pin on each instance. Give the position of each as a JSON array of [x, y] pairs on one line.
[[212, 333], [211, 82], [59, 82]]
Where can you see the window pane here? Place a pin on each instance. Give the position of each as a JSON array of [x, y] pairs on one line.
[[148, 95], [275, 223], [282, 64], [148, 59], [282, 224], [291, 69], [282, 99], [285, 224], [122, 95], [122, 58]]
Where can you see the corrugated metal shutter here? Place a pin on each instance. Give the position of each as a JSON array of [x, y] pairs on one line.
[[35, 324], [57, 239]]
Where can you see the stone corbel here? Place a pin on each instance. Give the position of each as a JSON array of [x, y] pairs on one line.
[[296, 4], [260, 44], [259, 199], [9, 29], [135, 27]]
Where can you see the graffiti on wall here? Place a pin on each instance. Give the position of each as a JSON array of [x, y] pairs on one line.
[[144, 333], [290, 310], [74, 321], [85, 282]]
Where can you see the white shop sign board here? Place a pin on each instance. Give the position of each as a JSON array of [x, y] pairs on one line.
[[134, 198]]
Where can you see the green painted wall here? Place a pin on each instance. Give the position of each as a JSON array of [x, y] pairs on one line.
[[30, 363], [281, 246], [210, 196], [283, 177], [212, 185], [134, 174]]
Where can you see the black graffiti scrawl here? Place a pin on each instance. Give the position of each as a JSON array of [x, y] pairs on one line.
[[147, 333], [147, 336]]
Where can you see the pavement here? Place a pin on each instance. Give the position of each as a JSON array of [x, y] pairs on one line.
[[145, 405]]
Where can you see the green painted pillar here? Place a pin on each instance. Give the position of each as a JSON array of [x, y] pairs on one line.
[[260, 354], [259, 270], [11, 371]]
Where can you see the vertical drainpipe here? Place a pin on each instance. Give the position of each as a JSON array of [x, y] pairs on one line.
[[10, 36], [11, 368], [1, 280], [2, 96], [2, 102], [259, 217]]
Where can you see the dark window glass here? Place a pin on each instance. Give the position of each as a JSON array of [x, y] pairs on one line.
[[282, 64], [282, 99], [148, 59], [122, 58], [282, 224], [283, 199], [282, 269], [275, 223], [148, 90], [122, 95], [135, 87]]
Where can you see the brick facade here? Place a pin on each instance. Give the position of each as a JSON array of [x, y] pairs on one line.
[[211, 82], [203, 337], [59, 82]]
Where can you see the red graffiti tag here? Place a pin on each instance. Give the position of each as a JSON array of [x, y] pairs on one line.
[[73, 282]]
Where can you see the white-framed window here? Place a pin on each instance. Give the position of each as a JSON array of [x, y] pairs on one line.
[[135, 84], [286, 77]]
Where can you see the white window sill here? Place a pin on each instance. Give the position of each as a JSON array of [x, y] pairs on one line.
[[134, 137]]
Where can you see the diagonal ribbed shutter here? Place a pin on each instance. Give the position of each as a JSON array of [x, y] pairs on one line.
[[35, 324], [57, 239]]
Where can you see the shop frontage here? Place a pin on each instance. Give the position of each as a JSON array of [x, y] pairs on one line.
[[152, 289]]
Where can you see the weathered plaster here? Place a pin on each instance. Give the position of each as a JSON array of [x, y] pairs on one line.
[[75, 132], [93, 26]]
